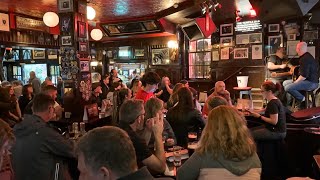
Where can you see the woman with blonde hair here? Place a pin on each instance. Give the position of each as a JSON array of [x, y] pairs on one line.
[[226, 149]]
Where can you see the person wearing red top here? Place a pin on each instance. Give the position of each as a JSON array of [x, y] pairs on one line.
[[150, 83], [219, 90]]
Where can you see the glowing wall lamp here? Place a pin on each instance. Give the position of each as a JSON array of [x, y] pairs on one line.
[[91, 13], [51, 19], [173, 44], [96, 34]]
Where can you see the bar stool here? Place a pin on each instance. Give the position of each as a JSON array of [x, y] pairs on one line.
[[242, 91], [307, 94]]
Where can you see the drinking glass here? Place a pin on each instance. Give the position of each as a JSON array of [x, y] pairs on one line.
[[192, 137], [177, 156], [82, 128]]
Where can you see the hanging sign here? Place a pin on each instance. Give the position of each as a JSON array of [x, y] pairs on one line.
[[248, 26], [32, 24]]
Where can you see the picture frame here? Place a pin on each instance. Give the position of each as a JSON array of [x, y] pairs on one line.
[[274, 42], [225, 53], [291, 48], [241, 53], [138, 53], [226, 29], [256, 51], [84, 66], [255, 38], [310, 35], [38, 54], [242, 39], [83, 47], [82, 30], [215, 55], [291, 37], [66, 24], [65, 6], [110, 54], [273, 27], [82, 7], [66, 40], [52, 54], [226, 41], [160, 56], [4, 22]]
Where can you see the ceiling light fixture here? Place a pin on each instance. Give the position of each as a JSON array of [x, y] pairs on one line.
[[51, 19], [96, 34], [91, 13]]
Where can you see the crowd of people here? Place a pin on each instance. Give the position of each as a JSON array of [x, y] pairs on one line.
[[148, 115]]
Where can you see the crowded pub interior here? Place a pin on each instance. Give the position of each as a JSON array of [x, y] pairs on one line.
[[159, 89]]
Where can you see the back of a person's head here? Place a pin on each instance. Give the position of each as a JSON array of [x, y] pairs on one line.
[[216, 101], [108, 147], [130, 110], [5, 83], [150, 78], [4, 95], [226, 133], [47, 89], [25, 89], [16, 83], [271, 86], [152, 107], [41, 103], [174, 96], [185, 98]]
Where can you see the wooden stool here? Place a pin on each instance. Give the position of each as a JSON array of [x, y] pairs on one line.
[[242, 91], [308, 93]]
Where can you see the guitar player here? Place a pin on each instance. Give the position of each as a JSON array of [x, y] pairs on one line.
[[278, 69]]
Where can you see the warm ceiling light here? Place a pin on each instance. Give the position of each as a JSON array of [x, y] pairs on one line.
[[91, 13], [96, 34], [172, 44], [253, 13], [51, 19]]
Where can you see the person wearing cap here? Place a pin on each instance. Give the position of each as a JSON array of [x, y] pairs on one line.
[[96, 91]]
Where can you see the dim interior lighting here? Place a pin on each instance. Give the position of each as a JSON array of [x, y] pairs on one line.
[[91, 13], [173, 44], [51, 19], [96, 34], [94, 63], [253, 13]]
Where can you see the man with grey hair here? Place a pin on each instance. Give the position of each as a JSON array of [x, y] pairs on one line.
[[131, 116], [308, 74], [35, 82], [108, 153]]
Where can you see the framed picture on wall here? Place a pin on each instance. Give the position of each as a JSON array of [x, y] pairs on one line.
[[39, 54], [4, 22], [215, 55], [274, 43], [82, 30], [83, 47], [82, 7], [66, 40], [52, 54], [65, 6], [225, 53], [66, 24], [160, 56], [84, 66], [291, 48], [255, 38], [226, 29], [273, 27], [242, 39], [139, 53], [241, 53], [226, 41], [256, 51], [291, 37]]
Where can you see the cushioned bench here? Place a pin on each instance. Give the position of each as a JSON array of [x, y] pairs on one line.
[[306, 114]]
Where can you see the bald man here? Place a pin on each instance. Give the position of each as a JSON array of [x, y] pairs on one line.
[[308, 74], [219, 90]]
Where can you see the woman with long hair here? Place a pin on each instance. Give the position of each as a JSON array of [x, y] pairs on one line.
[[274, 117], [226, 149], [6, 140], [27, 95], [184, 118], [153, 108], [119, 96], [173, 99], [15, 112]]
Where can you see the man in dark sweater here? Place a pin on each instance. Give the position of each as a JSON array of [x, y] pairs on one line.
[[308, 74]]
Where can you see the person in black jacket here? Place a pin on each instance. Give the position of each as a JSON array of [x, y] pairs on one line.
[[27, 95]]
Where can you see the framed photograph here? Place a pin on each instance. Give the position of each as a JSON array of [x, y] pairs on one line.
[[215, 55], [4, 22], [110, 54], [256, 51], [138, 53], [160, 56], [66, 40], [241, 53], [242, 39], [66, 24], [65, 6], [82, 7], [82, 30], [291, 37], [226, 41], [291, 49], [225, 53], [39, 54], [255, 38], [274, 28], [274, 42], [310, 35], [52, 54], [226, 29], [83, 47], [84, 66]]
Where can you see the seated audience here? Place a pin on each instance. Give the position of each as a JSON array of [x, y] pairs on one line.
[[150, 82], [6, 140], [105, 86], [46, 82], [216, 101], [274, 117], [173, 100], [7, 107], [132, 120], [96, 92], [184, 118], [195, 98], [27, 95], [136, 86], [40, 151], [108, 153], [165, 89], [226, 149], [219, 90], [154, 108], [16, 112], [17, 87], [119, 97]]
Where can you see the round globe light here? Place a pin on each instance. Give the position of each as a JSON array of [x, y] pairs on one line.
[[91, 13], [51, 19], [96, 34]]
